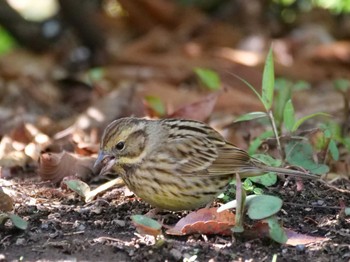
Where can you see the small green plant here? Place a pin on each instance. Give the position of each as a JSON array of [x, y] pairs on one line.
[[296, 150], [156, 105], [208, 78], [280, 112], [7, 42]]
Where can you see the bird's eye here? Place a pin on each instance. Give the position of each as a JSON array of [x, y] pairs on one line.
[[120, 145]]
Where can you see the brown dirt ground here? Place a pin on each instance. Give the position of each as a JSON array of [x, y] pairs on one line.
[[67, 229]]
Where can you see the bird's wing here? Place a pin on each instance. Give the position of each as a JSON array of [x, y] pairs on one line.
[[186, 155], [231, 159], [193, 148]]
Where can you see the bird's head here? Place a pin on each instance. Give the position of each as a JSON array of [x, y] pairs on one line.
[[123, 143]]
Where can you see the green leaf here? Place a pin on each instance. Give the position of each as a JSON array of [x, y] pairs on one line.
[[346, 142], [146, 225], [146, 221], [267, 179], [303, 119], [258, 191], [7, 42], [335, 130], [347, 211], [276, 231], [18, 222], [250, 116], [289, 116], [270, 178], [301, 85], [301, 154], [268, 81], [268, 160], [283, 94], [263, 206], [78, 187], [97, 73], [342, 85], [333, 149], [255, 144], [208, 78], [156, 104]]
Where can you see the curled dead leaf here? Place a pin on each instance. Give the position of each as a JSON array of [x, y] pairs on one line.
[[56, 166], [204, 221]]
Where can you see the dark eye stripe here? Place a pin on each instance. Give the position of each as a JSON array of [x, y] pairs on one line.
[[109, 132]]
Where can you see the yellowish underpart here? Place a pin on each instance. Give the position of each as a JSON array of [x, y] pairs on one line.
[[169, 202]]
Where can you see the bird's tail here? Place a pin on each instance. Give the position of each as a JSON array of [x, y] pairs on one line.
[[261, 167]]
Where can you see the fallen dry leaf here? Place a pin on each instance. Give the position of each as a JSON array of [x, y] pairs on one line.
[[295, 238], [261, 230], [56, 166], [204, 221], [199, 110], [6, 202]]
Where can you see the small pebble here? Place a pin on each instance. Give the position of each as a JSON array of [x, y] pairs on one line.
[[320, 202], [44, 226], [300, 248], [81, 227], [20, 241], [176, 254], [118, 222]]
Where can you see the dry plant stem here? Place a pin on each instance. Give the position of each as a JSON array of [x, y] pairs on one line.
[[118, 181], [334, 187], [240, 198], [275, 132], [311, 206]]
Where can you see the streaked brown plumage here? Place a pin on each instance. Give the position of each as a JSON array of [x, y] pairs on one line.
[[174, 164]]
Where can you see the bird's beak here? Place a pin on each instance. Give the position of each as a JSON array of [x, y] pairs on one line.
[[103, 163]]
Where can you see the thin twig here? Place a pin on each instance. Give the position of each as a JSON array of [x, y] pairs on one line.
[[311, 206], [274, 129]]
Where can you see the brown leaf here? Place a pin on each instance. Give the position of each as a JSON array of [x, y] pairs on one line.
[[204, 221], [6, 202], [261, 230], [295, 238], [199, 110], [56, 166]]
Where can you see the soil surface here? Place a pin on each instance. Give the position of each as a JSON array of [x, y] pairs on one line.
[[63, 228]]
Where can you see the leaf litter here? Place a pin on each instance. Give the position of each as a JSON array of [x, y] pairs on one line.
[[43, 137]]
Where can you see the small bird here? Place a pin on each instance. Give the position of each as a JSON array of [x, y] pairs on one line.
[[175, 164]]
